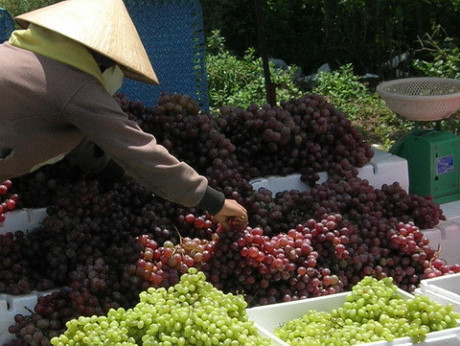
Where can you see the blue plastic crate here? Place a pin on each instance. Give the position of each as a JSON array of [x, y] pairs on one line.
[[6, 25], [172, 33]]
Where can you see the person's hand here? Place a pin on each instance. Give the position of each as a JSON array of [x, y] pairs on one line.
[[232, 213]]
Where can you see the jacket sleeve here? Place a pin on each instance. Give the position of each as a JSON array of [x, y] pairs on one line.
[[102, 121]]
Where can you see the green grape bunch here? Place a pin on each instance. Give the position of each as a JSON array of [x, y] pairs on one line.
[[192, 312], [373, 311]]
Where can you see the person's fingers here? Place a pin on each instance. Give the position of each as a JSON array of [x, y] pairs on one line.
[[238, 223], [233, 215]]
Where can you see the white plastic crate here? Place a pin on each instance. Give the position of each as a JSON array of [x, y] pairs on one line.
[[437, 296], [451, 211], [443, 289], [10, 305], [445, 236], [22, 220], [384, 168], [290, 182], [450, 283], [434, 235], [268, 317]]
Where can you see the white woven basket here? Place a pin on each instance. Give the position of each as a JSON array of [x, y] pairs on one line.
[[421, 98]]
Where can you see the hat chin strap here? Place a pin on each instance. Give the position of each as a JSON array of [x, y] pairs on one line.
[[113, 79]]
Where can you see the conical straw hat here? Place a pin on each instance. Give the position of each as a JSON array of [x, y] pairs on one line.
[[102, 25]]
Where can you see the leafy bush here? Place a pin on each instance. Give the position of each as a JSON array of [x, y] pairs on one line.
[[240, 82], [309, 33], [439, 56], [15, 7], [344, 90]]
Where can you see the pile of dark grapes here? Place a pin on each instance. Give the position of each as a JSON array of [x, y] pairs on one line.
[[101, 246], [40, 188], [305, 135], [17, 274]]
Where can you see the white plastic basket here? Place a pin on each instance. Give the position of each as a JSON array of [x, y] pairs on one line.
[[445, 285], [421, 98], [268, 317]]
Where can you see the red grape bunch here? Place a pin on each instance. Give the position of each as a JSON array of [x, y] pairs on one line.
[[305, 135], [8, 200], [45, 322], [162, 266]]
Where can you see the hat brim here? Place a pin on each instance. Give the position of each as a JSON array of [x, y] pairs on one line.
[[116, 37]]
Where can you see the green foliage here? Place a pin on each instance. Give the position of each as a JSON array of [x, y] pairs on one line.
[[16, 7], [240, 82], [309, 33], [344, 89], [440, 56]]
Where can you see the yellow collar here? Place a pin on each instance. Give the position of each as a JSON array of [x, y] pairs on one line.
[[57, 47]]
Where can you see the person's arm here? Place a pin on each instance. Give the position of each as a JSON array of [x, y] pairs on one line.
[[97, 164], [102, 121], [100, 118]]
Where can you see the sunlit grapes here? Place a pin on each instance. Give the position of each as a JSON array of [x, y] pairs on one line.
[[192, 312], [373, 311]]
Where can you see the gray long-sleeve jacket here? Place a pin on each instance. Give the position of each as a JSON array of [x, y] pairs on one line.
[[47, 108]]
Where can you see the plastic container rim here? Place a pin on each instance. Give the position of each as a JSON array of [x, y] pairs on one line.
[[381, 89]]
